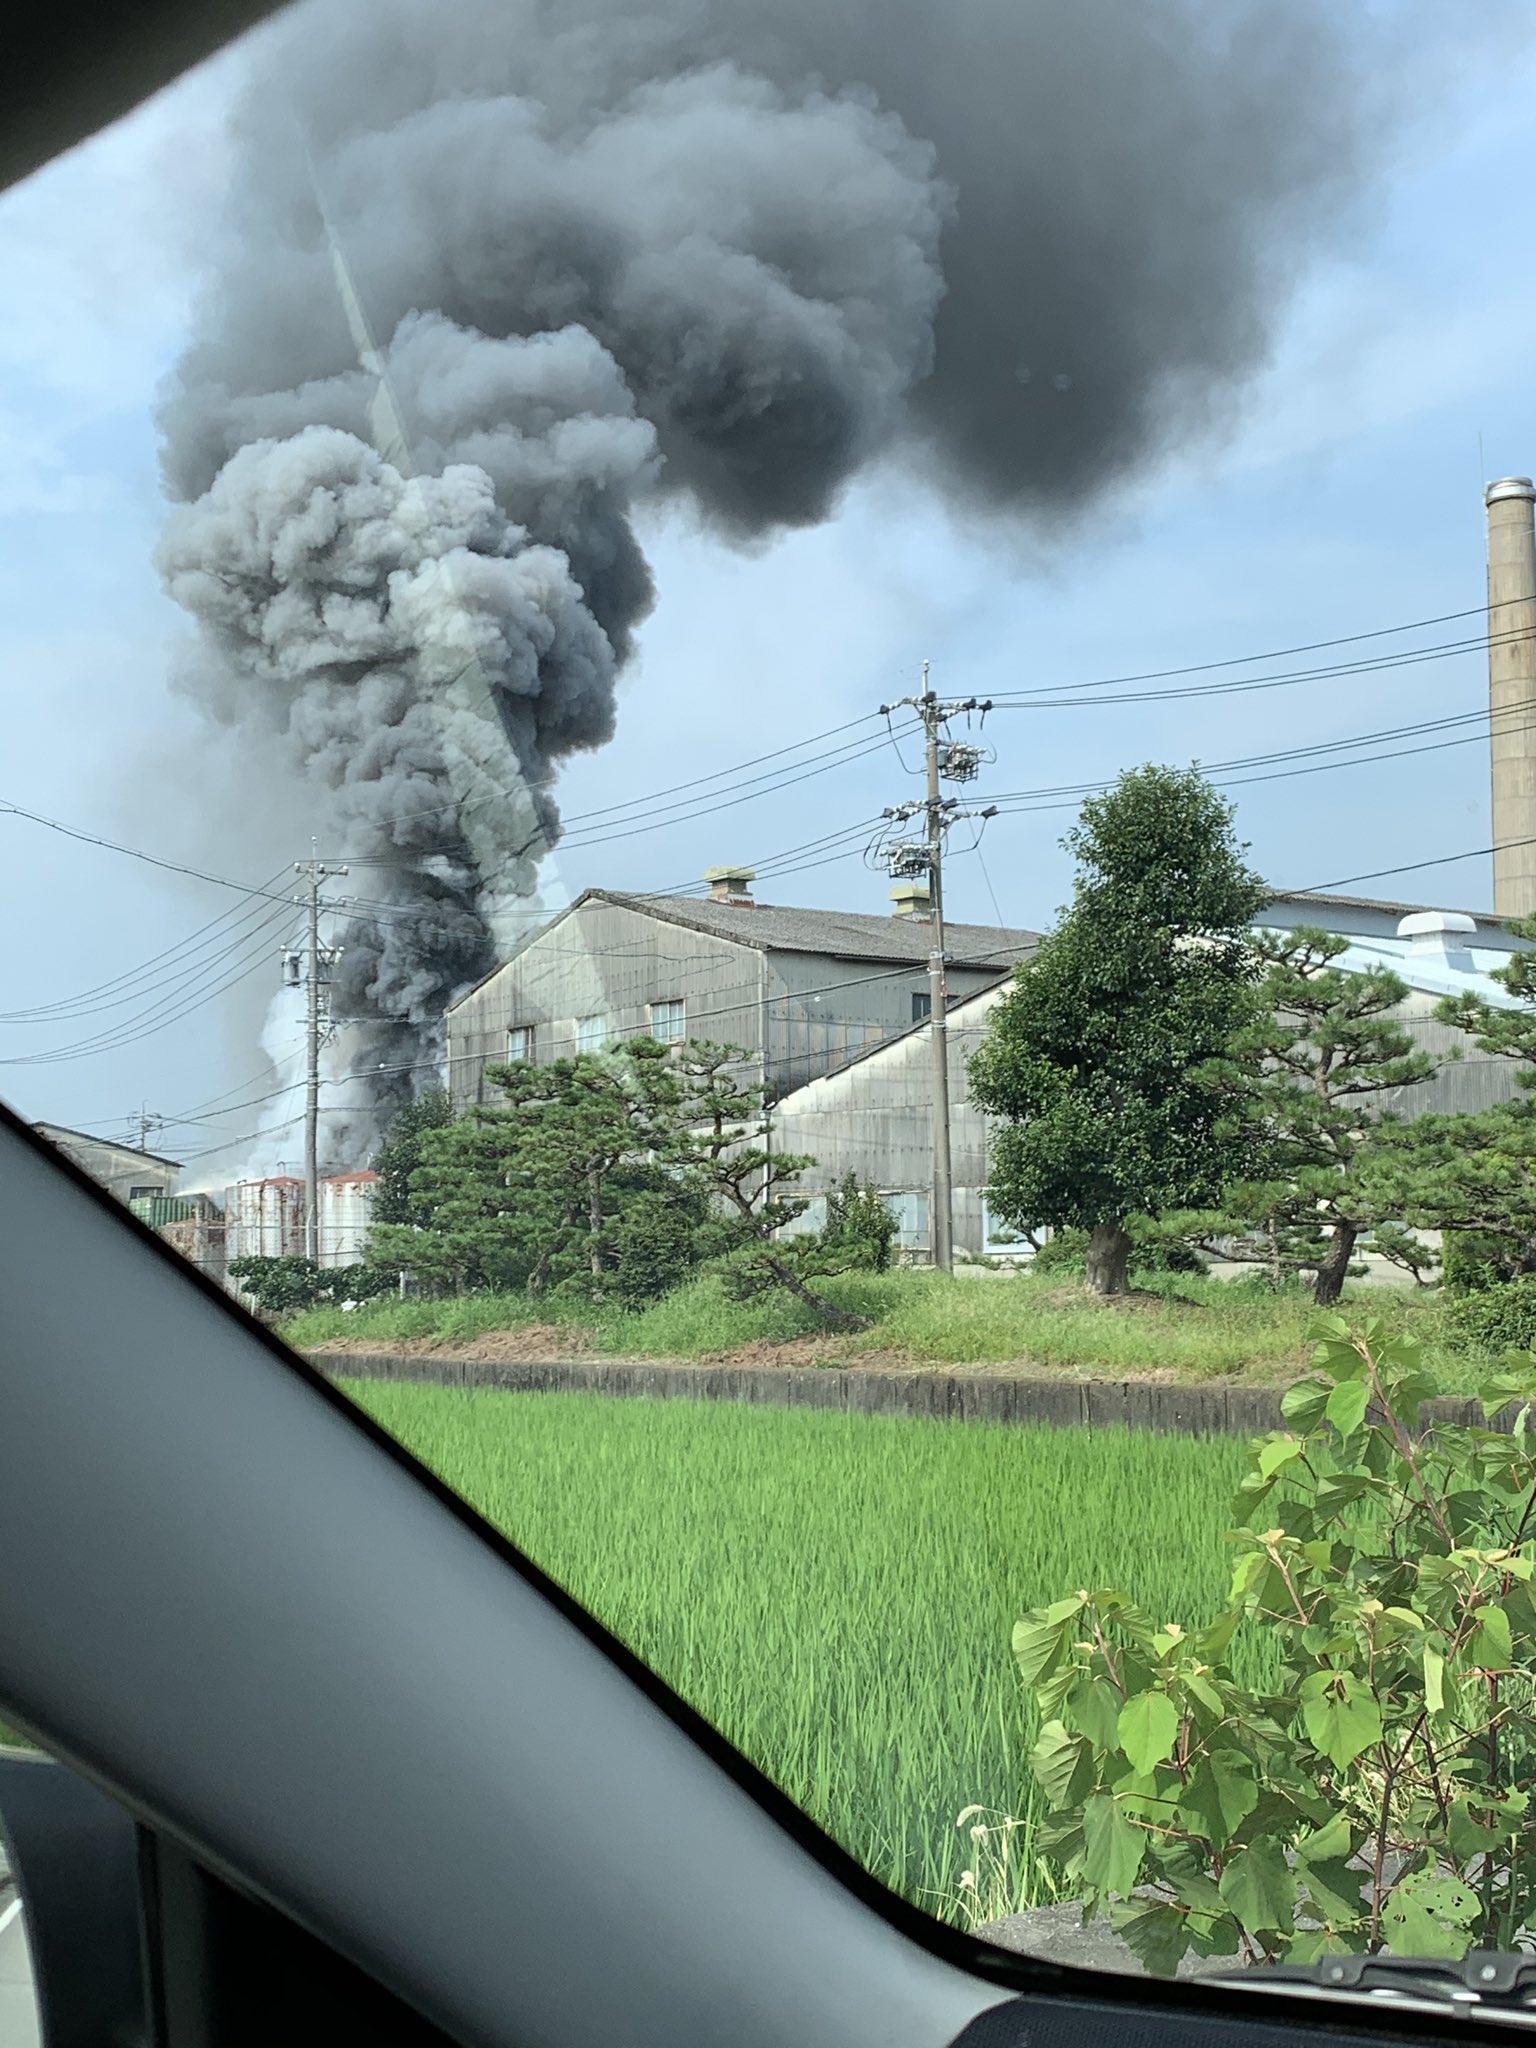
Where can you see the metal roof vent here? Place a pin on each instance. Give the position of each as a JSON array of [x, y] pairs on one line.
[[1440, 935], [730, 885], [911, 899]]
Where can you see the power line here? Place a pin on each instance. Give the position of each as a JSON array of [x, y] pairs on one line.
[[155, 1018], [1411, 867], [1157, 675]]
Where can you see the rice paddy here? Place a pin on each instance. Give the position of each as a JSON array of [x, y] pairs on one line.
[[836, 1592]]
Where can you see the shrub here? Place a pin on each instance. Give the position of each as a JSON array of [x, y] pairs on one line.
[[283, 1286], [1497, 1318], [860, 1230], [1470, 1262], [1380, 1797]]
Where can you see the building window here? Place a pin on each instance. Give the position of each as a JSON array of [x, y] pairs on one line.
[[667, 1022], [591, 1033], [520, 1042], [922, 1006], [145, 1194]]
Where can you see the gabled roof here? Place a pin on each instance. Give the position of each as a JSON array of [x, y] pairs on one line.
[[845, 934], [1321, 897], [56, 1131], [776, 928]]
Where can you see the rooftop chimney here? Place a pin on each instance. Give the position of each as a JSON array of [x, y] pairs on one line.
[[910, 899], [1512, 691], [730, 885]]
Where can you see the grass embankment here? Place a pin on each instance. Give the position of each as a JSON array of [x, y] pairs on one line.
[[1191, 1328], [836, 1593]]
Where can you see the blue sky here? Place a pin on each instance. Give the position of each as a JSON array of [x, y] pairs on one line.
[[1344, 498]]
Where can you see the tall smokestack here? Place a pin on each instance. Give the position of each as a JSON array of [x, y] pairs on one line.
[[1512, 691]]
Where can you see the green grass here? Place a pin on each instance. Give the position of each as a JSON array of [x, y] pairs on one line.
[[1199, 1329], [836, 1593]]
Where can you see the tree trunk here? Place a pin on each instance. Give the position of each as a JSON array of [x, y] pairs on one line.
[[1334, 1269], [1109, 1251], [835, 1318]]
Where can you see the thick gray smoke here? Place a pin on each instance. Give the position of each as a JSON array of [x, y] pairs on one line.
[[731, 250]]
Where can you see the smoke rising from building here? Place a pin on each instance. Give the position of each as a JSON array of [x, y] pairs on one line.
[[729, 251]]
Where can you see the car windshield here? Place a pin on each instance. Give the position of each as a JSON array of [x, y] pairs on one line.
[[566, 571]]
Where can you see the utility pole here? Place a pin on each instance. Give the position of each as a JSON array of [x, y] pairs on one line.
[[955, 763], [316, 964]]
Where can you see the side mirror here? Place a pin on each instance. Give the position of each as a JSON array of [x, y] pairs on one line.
[[75, 1856]]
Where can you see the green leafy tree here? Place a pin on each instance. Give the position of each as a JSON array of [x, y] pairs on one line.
[[1310, 1070], [400, 1154], [1094, 1060], [1381, 1797]]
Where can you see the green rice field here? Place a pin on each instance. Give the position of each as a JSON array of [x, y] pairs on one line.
[[836, 1592]]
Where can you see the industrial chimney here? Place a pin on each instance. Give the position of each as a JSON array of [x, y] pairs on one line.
[[730, 885], [1512, 691]]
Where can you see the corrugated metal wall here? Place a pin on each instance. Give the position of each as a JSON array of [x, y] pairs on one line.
[[604, 960], [875, 1118]]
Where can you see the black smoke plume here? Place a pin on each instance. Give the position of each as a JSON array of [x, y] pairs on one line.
[[725, 250]]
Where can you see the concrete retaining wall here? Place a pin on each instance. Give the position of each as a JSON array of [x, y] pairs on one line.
[[961, 1397]]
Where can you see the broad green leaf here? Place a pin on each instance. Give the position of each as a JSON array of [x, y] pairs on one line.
[[1038, 1647], [1051, 1692], [1220, 1795], [1277, 1454], [1112, 1846], [1063, 1764], [1095, 1706], [1304, 1404], [1260, 1888], [1467, 1835], [1347, 1404], [1315, 1942], [1148, 1727], [1333, 1892], [1323, 1845], [1155, 1934], [1213, 1643], [1064, 1610], [1429, 1916], [1490, 1648], [1201, 1690], [1341, 1716]]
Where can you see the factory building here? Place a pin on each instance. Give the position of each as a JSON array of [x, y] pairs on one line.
[[126, 1171], [803, 992], [264, 1219]]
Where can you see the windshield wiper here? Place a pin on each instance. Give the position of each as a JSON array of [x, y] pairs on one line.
[[1483, 1985]]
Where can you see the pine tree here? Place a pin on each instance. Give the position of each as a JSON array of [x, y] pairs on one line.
[[400, 1154], [1094, 1060], [1473, 1177], [1309, 1071]]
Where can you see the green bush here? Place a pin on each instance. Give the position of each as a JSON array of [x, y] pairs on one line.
[[860, 1230], [1497, 1318], [1471, 1262], [1380, 1796], [283, 1286]]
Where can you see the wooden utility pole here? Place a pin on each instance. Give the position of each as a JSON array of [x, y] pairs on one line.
[[317, 873]]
